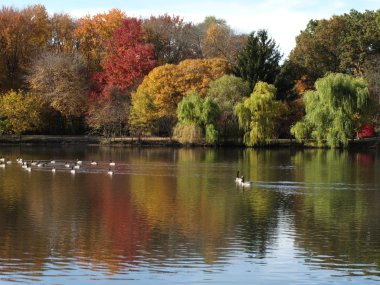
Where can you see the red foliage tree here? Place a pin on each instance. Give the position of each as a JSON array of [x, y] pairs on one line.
[[128, 58]]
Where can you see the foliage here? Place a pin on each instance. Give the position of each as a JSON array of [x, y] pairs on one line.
[[219, 40], [194, 114], [173, 39], [259, 59], [23, 34], [19, 112], [62, 33], [334, 110], [226, 92], [340, 44], [109, 115], [164, 87], [259, 114], [58, 80], [92, 32], [127, 57]]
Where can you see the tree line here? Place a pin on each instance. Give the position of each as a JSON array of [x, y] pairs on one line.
[[113, 75]]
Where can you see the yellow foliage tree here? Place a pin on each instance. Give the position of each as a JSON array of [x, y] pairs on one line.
[[19, 112], [157, 97]]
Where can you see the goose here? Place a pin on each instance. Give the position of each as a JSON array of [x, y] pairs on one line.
[[33, 162], [238, 178], [79, 161], [94, 163], [2, 159], [53, 170], [245, 183], [72, 171], [2, 165], [76, 166], [24, 165], [40, 164], [110, 172], [28, 168], [67, 164], [52, 161], [9, 161], [19, 160], [112, 163]]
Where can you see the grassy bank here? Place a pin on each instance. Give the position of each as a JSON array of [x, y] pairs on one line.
[[153, 141]]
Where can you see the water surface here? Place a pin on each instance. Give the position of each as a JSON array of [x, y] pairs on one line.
[[176, 216]]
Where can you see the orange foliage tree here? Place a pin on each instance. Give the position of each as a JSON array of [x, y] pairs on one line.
[[23, 34], [93, 32], [156, 100]]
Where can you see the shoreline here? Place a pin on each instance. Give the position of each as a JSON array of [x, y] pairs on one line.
[[155, 141]]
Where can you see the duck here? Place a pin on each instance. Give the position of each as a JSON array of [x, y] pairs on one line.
[[9, 161], [77, 166], [72, 171], [79, 162], [28, 168], [94, 163], [19, 160], [2, 159], [238, 178], [33, 162], [67, 164], [112, 163], [2, 165], [110, 172], [53, 170], [52, 161]]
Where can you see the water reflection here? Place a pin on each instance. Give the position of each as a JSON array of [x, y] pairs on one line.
[[177, 211]]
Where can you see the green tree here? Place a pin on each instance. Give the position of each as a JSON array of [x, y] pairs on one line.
[[339, 44], [259, 114], [259, 59], [19, 112], [226, 92], [197, 119], [334, 110]]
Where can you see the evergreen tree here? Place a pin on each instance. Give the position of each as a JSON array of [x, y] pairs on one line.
[[259, 60]]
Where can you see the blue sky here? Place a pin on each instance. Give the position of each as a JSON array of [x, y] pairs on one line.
[[283, 19]]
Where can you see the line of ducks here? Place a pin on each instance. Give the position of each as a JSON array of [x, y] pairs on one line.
[[240, 180], [27, 165]]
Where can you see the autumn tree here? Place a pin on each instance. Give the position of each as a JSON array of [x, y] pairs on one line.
[[164, 87], [259, 60], [219, 40], [93, 32], [23, 34], [226, 92], [173, 39], [334, 110], [127, 59], [197, 119], [59, 81], [62, 38], [19, 112], [258, 115]]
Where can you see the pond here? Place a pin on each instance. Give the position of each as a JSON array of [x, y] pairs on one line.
[[176, 216]]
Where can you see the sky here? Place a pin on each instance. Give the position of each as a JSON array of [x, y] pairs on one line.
[[283, 19]]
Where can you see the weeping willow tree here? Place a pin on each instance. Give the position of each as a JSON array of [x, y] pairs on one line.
[[333, 111], [197, 119], [258, 115]]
